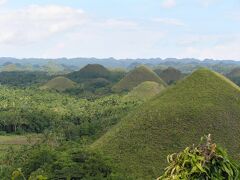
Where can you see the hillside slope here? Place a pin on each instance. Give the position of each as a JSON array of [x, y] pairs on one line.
[[145, 91], [203, 103], [136, 77], [59, 83]]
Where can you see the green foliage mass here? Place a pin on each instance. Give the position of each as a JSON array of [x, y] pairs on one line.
[[136, 77], [203, 103], [145, 91], [206, 161], [23, 78], [59, 84], [234, 75], [33, 110], [56, 162]]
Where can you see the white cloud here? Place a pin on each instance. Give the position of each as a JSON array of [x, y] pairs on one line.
[[169, 3], [40, 23], [35, 23], [207, 3], [99, 41], [234, 16], [169, 21], [212, 46], [3, 2], [115, 23]]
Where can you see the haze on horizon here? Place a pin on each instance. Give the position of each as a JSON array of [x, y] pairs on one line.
[[120, 29]]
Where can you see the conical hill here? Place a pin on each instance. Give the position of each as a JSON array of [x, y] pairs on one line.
[[136, 77]]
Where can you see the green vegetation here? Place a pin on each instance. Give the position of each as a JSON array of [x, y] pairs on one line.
[[32, 110], [57, 162], [206, 161], [169, 75], [145, 91], [23, 78], [205, 102], [67, 124], [79, 128], [136, 77], [59, 84], [234, 75]]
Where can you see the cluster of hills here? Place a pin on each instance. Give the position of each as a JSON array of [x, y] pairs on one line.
[[136, 77], [49, 67], [205, 102], [141, 82], [171, 118], [172, 109]]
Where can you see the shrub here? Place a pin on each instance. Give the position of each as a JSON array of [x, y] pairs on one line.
[[206, 161]]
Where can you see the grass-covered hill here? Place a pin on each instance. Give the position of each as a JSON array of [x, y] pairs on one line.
[[203, 103], [10, 67], [169, 75], [136, 77], [59, 84], [53, 68], [90, 71], [144, 91]]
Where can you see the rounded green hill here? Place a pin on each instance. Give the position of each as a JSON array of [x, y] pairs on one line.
[[136, 77], [169, 75], [10, 68], [144, 91], [90, 71], [203, 103], [59, 84]]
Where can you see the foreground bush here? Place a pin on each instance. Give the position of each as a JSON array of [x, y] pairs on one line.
[[206, 161]]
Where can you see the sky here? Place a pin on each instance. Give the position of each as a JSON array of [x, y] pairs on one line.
[[120, 28]]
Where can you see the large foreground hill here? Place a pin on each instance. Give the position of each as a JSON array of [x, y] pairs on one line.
[[203, 103]]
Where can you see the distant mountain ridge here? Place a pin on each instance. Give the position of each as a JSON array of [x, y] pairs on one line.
[[115, 62], [185, 65]]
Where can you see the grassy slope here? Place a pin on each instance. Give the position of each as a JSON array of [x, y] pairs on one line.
[[136, 77], [203, 103], [59, 84], [145, 90]]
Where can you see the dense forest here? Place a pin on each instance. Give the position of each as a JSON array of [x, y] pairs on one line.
[[71, 122]]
